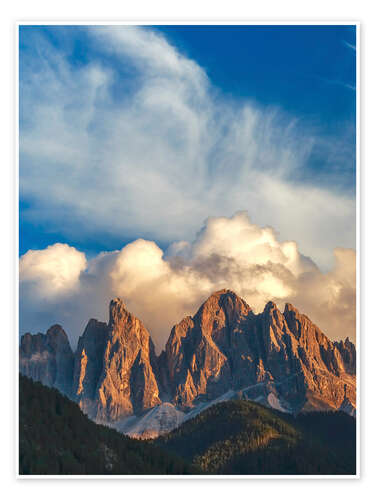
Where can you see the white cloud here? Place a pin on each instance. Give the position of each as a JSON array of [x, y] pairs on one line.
[[163, 288], [154, 158], [52, 271]]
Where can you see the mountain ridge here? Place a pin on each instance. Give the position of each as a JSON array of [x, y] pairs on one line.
[[281, 359]]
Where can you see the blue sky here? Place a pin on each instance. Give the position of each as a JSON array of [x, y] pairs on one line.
[[160, 164], [305, 72], [308, 71], [287, 66]]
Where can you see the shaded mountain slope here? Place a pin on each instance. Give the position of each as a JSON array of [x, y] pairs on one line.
[[48, 358]]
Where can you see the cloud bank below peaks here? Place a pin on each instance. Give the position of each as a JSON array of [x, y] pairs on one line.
[[58, 284]]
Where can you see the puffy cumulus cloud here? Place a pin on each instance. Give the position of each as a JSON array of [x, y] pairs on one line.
[[161, 288], [237, 238], [330, 298], [154, 290], [52, 271], [137, 141], [49, 284]]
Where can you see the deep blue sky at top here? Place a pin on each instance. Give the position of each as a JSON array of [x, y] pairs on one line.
[[308, 71]]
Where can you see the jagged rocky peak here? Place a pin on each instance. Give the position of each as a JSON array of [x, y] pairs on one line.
[[48, 358], [224, 300], [31, 343], [57, 335], [273, 315], [276, 358], [88, 364], [115, 366], [54, 337], [270, 306], [128, 383], [348, 353], [290, 308], [226, 346], [95, 332], [199, 351], [117, 311], [127, 328], [219, 315], [220, 308]]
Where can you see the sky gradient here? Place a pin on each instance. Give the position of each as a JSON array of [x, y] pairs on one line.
[[168, 133]]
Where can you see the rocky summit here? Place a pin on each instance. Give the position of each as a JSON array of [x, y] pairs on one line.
[[48, 358], [274, 357], [115, 370], [225, 351]]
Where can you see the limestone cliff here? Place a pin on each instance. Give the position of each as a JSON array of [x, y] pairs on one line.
[[88, 365], [127, 384], [48, 358], [280, 359], [226, 346], [115, 367]]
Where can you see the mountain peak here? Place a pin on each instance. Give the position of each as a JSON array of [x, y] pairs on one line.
[[224, 297], [221, 295], [48, 358], [290, 308], [117, 311], [118, 303], [225, 291], [57, 338], [270, 306], [223, 302], [56, 331], [224, 347]]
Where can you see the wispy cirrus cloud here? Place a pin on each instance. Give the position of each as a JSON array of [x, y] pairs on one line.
[[350, 45], [137, 142], [337, 82]]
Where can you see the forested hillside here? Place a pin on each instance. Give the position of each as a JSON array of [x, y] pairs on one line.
[[243, 437], [55, 437]]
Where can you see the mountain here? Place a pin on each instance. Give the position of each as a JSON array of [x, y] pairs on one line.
[[88, 365], [224, 352], [226, 346], [235, 437], [243, 437], [55, 437], [48, 358], [115, 367]]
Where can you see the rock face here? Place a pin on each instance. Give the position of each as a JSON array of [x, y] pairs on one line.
[[348, 354], [48, 358], [205, 353], [226, 346], [128, 383], [88, 365], [115, 366], [280, 359]]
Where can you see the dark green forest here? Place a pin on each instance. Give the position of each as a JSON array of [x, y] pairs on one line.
[[243, 437], [235, 437], [55, 437]]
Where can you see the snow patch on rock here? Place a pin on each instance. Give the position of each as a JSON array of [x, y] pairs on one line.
[[274, 402], [159, 420]]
